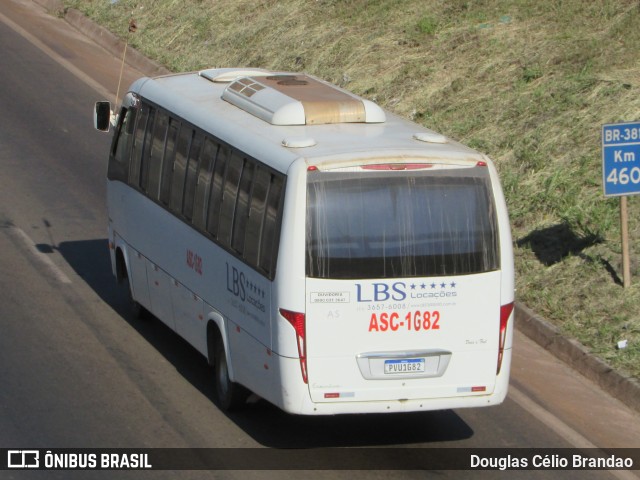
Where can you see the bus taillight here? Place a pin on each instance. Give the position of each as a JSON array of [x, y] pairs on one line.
[[297, 320], [505, 313]]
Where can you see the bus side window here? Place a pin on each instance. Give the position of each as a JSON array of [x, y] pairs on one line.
[[180, 168], [253, 232], [146, 151], [203, 186], [242, 207], [138, 144], [215, 199], [229, 198], [167, 163], [192, 176], [156, 155], [269, 240], [122, 140]]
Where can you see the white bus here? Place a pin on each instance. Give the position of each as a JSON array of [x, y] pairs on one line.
[[324, 254]]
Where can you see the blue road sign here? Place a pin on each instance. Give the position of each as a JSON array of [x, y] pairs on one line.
[[621, 159]]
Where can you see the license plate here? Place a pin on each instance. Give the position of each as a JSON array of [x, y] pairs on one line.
[[405, 365]]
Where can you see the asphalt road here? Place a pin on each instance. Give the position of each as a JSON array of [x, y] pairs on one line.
[[76, 370]]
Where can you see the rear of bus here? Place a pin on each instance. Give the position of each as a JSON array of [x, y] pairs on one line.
[[404, 298]]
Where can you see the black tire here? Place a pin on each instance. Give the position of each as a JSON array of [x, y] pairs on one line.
[[137, 310], [231, 396]]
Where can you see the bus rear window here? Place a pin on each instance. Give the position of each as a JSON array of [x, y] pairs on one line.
[[400, 224]]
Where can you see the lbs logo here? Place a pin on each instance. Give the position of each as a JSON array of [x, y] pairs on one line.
[[381, 292], [398, 291], [246, 290]]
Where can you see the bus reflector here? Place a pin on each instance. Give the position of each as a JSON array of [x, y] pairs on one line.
[[505, 313], [297, 320]]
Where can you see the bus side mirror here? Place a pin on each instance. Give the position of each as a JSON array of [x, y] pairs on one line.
[[102, 116]]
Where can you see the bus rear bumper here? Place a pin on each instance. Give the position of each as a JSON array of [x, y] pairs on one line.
[[294, 397]]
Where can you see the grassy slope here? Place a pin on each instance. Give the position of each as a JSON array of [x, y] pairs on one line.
[[529, 83]]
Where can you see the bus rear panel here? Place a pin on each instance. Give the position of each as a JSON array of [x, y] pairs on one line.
[[405, 302]]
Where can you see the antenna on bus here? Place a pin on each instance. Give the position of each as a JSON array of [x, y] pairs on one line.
[[133, 26]]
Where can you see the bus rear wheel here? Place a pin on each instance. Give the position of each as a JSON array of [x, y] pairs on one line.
[[231, 395], [136, 309]]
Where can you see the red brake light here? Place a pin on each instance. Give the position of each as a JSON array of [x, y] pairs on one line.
[[297, 320], [505, 314]]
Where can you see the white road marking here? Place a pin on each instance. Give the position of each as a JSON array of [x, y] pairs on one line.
[[560, 428], [43, 258], [55, 57]]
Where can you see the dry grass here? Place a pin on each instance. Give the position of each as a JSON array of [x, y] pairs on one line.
[[529, 83]]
